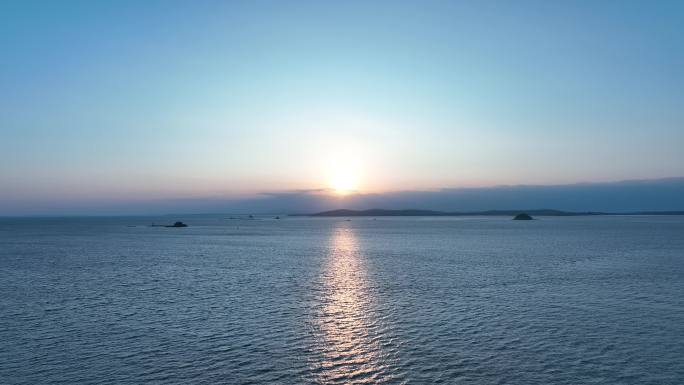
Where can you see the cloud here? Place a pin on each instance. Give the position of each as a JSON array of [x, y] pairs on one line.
[[635, 195]]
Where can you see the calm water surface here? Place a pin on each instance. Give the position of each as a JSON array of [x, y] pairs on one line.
[[299, 300]]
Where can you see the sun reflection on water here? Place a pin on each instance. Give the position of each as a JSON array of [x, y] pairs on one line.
[[347, 344]]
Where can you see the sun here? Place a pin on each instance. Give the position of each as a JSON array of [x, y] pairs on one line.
[[344, 180], [343, 166]]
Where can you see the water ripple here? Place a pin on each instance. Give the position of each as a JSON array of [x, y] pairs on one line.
[[560, 300]]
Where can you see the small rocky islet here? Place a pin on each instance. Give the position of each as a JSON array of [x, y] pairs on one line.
[[522, 217]]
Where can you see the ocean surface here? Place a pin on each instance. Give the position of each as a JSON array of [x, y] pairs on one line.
[[472, 300]]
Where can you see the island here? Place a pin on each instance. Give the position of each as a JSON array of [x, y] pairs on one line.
[[522, 217]]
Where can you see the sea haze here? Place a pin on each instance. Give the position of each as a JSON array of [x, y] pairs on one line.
[[473, 300]]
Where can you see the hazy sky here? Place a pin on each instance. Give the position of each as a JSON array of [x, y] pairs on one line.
[[161, 99]]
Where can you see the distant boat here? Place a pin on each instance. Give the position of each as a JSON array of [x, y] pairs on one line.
[[178, 224], [276, 218]]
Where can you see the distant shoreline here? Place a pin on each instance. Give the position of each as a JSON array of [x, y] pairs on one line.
[[432, 213]]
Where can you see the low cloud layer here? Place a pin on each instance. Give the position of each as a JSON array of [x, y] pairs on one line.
[[638, 195], [642, 195]]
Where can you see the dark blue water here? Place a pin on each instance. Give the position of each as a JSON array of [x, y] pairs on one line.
[[394, 300]]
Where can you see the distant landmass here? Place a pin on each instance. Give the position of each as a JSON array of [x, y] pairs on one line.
[[432, 213], [649, 196]]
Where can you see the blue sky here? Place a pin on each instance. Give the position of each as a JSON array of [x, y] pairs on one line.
[[116, 101]]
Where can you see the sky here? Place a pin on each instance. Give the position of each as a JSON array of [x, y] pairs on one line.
[[111, 102]]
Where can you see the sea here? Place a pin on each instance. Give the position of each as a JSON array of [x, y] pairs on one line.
[[300, 300]]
